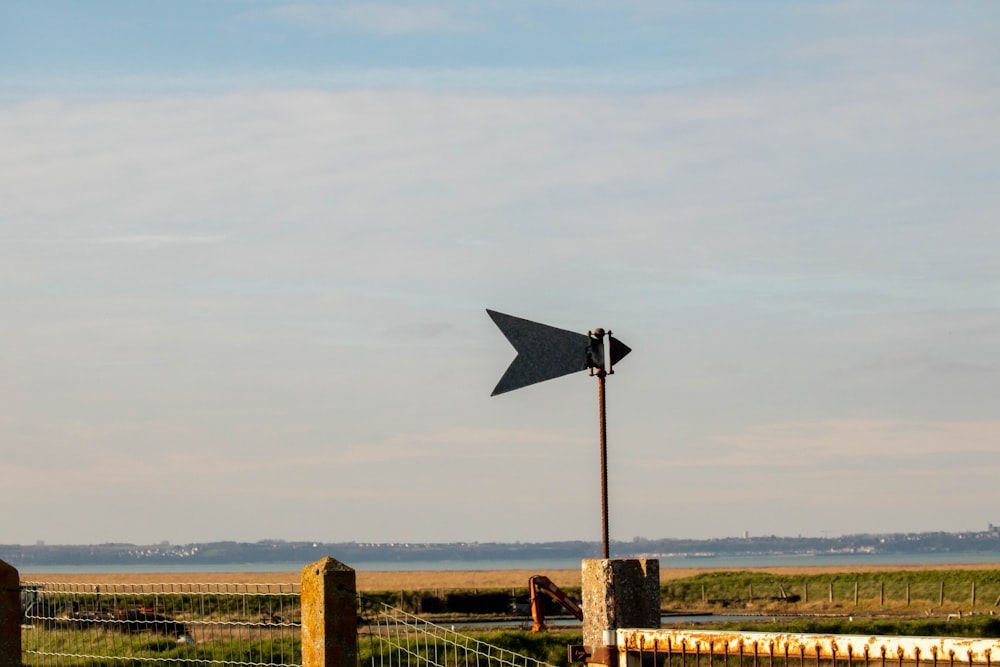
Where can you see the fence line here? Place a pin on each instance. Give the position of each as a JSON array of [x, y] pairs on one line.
[[199, 624], [401, 639], [818, 591]]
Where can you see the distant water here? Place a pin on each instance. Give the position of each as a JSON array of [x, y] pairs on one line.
[[819, 560], [540, 565]]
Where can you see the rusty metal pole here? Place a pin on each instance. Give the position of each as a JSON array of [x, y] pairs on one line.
[[601, 377], [544, 352]]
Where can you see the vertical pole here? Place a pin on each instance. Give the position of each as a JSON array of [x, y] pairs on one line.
[[10, 615], [601, 377], [329, 615]]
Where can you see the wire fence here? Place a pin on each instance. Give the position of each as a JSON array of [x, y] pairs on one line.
[[900, 590], [111, 625], [400, 639]]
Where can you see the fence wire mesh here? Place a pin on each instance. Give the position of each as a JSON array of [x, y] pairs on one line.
[[98, 625], [400, 639]]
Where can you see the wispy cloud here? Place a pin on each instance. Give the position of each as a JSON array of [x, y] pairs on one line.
[[445, 445], [857, 443], [160, 240], [373, 18]]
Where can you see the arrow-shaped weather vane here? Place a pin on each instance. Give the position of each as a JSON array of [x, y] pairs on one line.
[[545, 352]]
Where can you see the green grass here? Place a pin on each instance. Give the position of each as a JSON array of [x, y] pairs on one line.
[[904, 591], [110, 649], [548, 647], [867, 590], [976, 626], [204, 605], [937, 591], [89, 649]]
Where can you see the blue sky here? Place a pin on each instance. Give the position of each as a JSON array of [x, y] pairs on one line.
[[246, 250]]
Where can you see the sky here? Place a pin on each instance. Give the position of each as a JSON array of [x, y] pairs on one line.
[[247, 248]]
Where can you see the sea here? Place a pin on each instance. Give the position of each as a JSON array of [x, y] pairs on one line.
[[542, 565]]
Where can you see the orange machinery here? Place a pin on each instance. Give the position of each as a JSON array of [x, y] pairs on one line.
[[539, 584]]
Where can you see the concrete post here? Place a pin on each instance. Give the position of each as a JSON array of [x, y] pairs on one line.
[[10, 615], [329, 615], [618, 593]]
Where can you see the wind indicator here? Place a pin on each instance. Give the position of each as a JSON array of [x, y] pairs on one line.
[[545, 352]]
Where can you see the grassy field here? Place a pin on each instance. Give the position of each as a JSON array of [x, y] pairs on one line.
[[883, 600], [366, 581], [425, 580], [930, 591], [937, 591]]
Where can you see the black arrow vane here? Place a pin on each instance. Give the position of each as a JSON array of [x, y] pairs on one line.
[[545, 352]]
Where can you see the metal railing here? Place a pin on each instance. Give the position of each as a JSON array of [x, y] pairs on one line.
[[400, 639], [69, 624], [705, 648]]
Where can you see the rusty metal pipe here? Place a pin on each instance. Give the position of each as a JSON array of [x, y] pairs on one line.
[[601, 379]]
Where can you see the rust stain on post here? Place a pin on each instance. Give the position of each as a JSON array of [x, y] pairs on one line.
[[10, 615], [329, 615], [823, 647]]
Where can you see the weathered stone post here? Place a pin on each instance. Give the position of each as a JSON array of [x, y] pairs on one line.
[[617, 593], [10, 615], [329, 615]]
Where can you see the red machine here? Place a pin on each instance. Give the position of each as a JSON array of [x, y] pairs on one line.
[[539, 584]]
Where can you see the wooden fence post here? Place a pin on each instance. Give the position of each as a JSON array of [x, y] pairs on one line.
[[329, 615], [10, 615]]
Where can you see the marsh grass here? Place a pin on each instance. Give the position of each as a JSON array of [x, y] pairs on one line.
[[902, 591], [986, 627], [547, 647], [77, 648], [867, 596]]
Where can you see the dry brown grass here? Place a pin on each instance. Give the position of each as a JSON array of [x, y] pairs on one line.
[[366, 581], [451, 579]]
